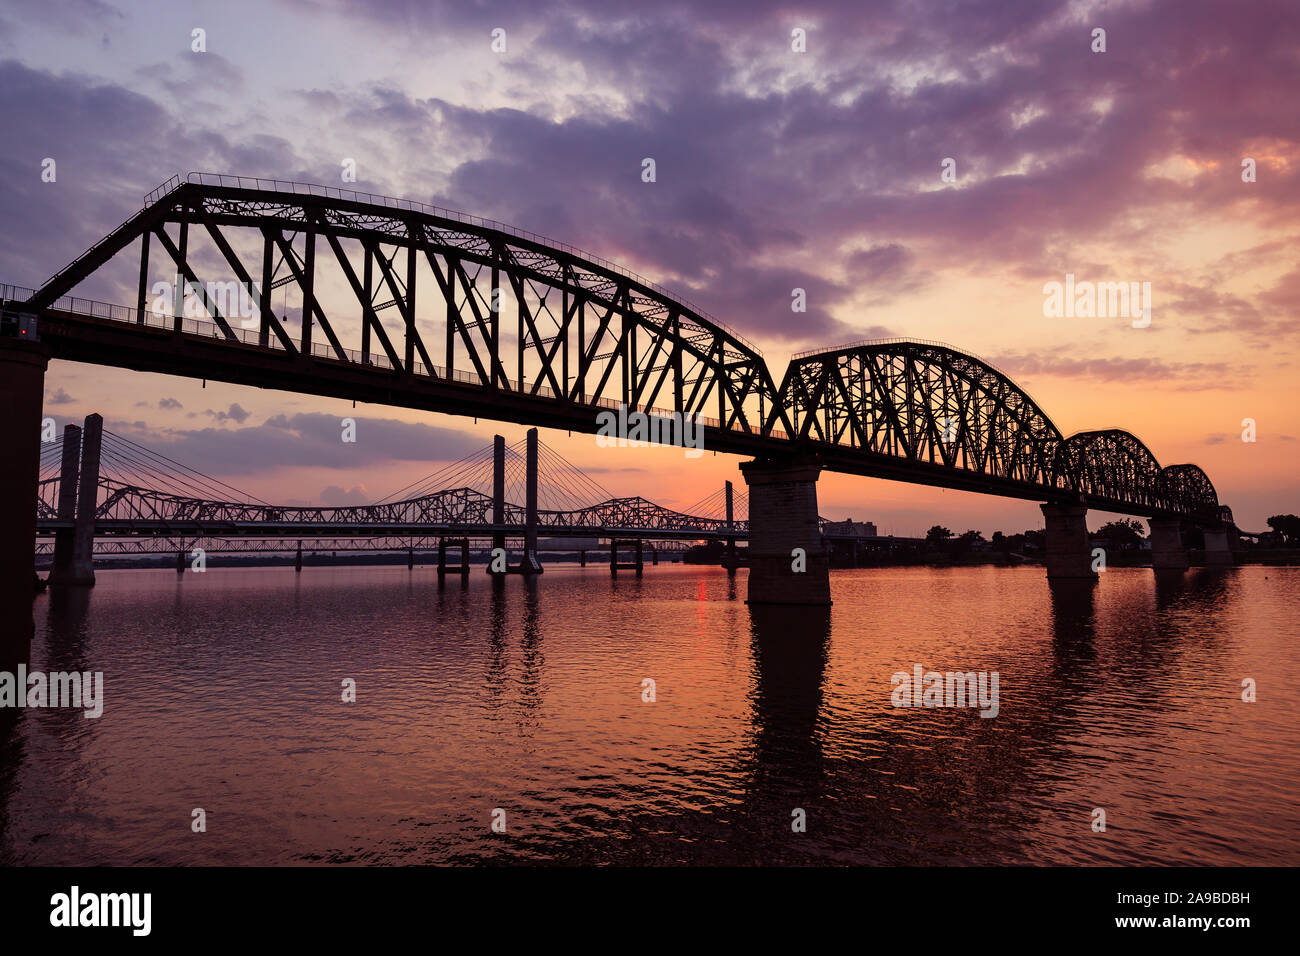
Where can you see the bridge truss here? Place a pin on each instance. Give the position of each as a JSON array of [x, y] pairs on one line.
[[464, 316]]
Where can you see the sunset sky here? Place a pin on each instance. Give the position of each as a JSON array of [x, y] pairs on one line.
[[775, 170]]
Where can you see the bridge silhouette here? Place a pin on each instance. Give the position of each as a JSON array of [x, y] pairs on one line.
[[148, 503], [535, 332]]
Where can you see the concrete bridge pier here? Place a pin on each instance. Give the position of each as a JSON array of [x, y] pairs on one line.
[[297, 560], [1167, 550], [22, 388], [443, 568], [788, 563], [1218, 550], [582, 558], [1068, 554], [180, 561], [637, 564], [65, 540]]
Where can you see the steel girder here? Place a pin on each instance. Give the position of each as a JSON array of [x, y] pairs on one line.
[[520, 316], [933, 405], [924, 403]]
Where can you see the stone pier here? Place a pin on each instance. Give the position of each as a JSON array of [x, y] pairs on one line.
[[1068, 554], [788, 563], [1218, 550], [1167, 550]]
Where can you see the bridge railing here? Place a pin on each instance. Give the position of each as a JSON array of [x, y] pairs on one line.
[[412, 205], [129, 315]]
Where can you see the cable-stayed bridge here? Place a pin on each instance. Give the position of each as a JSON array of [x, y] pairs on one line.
[[146, 502]]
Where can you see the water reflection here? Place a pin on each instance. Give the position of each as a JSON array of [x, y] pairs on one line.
[[524, 693]]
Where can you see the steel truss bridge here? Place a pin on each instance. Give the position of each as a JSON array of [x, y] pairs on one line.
[[459, 315]]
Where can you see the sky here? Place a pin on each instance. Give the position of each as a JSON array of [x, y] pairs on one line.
[[775, 169]]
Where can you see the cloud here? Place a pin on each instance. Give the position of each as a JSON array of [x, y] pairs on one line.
[[234, 414], [307, 440], [334, 496], [1059, 363], [169, 403], [60, 397]]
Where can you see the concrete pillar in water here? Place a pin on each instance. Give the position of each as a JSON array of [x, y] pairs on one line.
[[65, 539], [83, 546], [22, 388], [1217, 548], [180, 561], [1167, 551], [1068, 554], [297, 560], [582, 558], [783, 523]]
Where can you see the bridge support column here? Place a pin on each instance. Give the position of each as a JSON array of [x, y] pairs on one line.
[[83, 549], [180, 561], [463, 568], [783, 518], [1167, 551], [729, 555], [410, 559], [530, 564], [1068, 554], [582, 558], [1217, 549], [297, 561], [22, 387], [498, 496], [654, 555], [65, 540]]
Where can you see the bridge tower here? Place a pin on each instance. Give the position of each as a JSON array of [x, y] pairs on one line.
[[498, 493], [530, 563], [22, 386], [1068, 554], [83, 546], [65, 539], [783, 518], [729, 556]]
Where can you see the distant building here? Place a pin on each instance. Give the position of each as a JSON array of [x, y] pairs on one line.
[[851, 529]]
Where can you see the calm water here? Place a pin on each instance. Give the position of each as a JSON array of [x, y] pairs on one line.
[[223, 692]]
